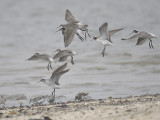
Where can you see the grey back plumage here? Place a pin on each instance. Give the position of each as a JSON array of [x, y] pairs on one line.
[[2, 100], [63, 58], [21, 97], [63, 53], [38, 56]]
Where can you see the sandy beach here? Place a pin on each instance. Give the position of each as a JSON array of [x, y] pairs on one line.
[[145, 107]]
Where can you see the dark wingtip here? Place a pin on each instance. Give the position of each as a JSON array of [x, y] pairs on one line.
[[123, 39]]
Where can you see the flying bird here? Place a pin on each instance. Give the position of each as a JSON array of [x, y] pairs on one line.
[[44, 57], [142, 37], [53, 81], [71, 19], [62, 55]]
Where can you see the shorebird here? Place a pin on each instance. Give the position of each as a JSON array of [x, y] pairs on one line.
[[2, 101], [53, 81], [50, 99], [105, 36], [71, 19], [44, 57], [21, 99], [38, 100], [142, 37], [69, 30], [62, 55], [81, 96]]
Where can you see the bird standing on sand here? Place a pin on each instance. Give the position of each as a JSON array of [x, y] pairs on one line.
[[142, 37], [62, 55], [44, 57], [81, 96], [39, 100], [2, 101], [21, 99], [105, 36], [53, 81]]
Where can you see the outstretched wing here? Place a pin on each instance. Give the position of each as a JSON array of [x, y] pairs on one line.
[[68, 33], [142, 34], [58, 75], [111, 32], [132, 37], [103, 29], [69, 17], [59, 69], [63, 58], [141, 41]]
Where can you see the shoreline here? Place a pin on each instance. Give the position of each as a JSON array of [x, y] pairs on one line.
[[145, 107]]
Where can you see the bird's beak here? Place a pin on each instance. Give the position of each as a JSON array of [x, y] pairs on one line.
[[39, 81], [131, 33], [58, 26], [92, 40], [59, 29], [26, 59], [55, 51]]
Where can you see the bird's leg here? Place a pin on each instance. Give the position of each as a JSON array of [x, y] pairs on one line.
[[21, 105], [103, 51], [72, 60], [88, 33], [53, 91], [79, 37], [54, 94], [50, 65], [85, 35], [151, 44]]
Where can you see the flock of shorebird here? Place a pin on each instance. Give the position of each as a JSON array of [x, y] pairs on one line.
[[69, 30]]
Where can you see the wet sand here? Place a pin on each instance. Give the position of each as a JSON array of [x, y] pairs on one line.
[[145, 107]]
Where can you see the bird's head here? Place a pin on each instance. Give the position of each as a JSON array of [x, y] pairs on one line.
[[58, 50], [42, 80], [36, 54], [95, 38], [34, 57], [134, 31]]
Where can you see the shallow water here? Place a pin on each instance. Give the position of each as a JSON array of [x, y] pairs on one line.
[[29, 26]]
